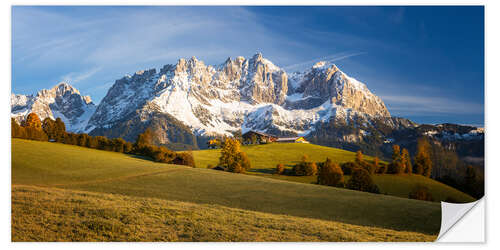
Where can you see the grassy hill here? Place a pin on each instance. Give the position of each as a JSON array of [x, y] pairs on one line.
[[264, 159], [57, 186], [87, 216]]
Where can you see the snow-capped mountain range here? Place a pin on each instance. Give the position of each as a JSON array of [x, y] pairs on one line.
[[247, 94], [190, 97]]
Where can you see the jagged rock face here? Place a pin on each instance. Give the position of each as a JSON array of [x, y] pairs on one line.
[[326, 82], [62, 101], [238, 94]]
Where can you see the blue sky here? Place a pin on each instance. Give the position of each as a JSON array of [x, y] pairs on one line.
[[426, 63]]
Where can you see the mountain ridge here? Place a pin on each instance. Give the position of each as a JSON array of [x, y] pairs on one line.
[[188, 102]]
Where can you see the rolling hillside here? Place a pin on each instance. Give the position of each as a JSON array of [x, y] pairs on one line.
[[57, 185], [264, 159]]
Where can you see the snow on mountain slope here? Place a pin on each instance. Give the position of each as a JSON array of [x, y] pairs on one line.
[[247, 94], [63, 101]]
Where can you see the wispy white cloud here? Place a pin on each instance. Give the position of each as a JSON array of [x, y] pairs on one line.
[[76, 77], [427, 105], [329, 58]]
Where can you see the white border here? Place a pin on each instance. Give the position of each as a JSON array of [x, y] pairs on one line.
[[492, 15]]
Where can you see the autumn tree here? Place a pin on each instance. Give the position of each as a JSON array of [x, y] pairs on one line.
[[361, 180], [396, 166], [421, 192], [376, 162], [33, 128], [359, 158], [145, 138], [232, 158], [423, 162], [406, 161], [330, 174], [305, 167], [16, 130], [280, 168], [32, 121], [118, 144]]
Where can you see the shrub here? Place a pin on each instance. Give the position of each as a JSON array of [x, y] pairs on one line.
[[369, 167], [184, 159], [305, 167], [127, 147], [382, 169], [330, 174], [244, 161], [347, 167], [395, 168], [280, 168], [421, 192], [362, 181], [236, 168]]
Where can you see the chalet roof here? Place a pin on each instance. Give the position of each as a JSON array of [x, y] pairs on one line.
[[259, 133]]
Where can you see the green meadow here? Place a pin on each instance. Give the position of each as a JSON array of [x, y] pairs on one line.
[[264, 159], [64, 193]]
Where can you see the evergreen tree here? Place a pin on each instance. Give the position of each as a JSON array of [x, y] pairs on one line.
[[60, 130], [49, 127]]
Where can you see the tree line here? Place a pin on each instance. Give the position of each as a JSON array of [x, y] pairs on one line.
[[33, 128]]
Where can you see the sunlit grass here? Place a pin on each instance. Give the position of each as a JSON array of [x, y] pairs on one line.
[[139, 181]]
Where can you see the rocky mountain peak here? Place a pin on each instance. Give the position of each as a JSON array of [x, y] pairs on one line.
[[62, 100], [239, 93]]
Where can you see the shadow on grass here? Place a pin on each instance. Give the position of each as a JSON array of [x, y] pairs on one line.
[[146, 158]]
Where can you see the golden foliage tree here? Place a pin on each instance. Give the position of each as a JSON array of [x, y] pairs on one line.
[[232, 158], [406, 161], [330, 174], [359, 157], [423, 162]]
